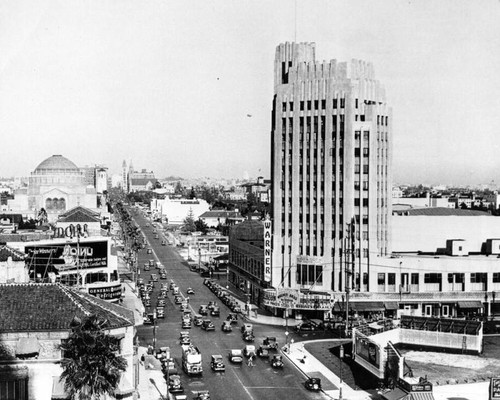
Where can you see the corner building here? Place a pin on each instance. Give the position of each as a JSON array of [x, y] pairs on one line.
[[331, 173]]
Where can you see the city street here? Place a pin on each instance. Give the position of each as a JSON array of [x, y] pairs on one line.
[[258, 382]]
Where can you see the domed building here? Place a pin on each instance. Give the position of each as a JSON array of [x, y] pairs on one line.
[[56, 185]]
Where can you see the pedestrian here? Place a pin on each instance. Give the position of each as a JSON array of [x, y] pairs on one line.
[[250, 360]]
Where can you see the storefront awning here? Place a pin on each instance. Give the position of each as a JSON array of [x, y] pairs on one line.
[[367, 306], [396, 394], [27, 346], [421, 396], [391, 305], [470, 304], [58, 392]]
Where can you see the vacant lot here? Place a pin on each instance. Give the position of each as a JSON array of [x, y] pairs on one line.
[[443, 367]]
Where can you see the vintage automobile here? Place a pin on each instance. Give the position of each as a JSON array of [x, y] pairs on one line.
[[162, 294], [160, 312], [208, 325], [216, 363], [160, 303], [236, 308], [211, 305], [202, 395], [249, 350], [148, 318], [147, 302], [277, 361], [151, 263], [198, 320], [178, 300], [147, 267], [232, 318], [203, 310], [305, 327], [263, 351], [189, 291], [175, 290], [246, 328], [236, 356], [186, 323], [164, 286], [226, 326], [150, 250], [184, 306], [184, 338], [313, 384], [154, 278], [248, 336], [172, 284], [163, 275], [215, 312], [163, 243], [174, 384], [271, 342]]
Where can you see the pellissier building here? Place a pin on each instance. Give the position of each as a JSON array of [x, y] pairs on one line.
[[331, 172]]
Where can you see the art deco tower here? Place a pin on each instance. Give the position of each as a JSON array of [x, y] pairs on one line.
[[331, 171]]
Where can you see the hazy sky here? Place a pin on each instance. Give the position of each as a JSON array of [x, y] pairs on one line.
[[170, 84]]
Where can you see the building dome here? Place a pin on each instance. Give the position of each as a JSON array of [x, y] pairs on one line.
[[56, 163]]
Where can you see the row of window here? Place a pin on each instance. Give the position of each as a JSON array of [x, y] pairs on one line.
[[312, 104], [434, 277], [247, 264]]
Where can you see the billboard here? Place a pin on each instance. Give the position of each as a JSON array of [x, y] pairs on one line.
[[113, 292], [58, 257], [267, 249]]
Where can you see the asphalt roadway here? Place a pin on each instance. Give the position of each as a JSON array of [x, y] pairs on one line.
[[259, 382]]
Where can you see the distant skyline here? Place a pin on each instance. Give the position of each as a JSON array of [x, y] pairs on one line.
[[185, 88]]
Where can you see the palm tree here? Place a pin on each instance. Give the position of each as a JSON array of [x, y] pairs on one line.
[[91, 365]]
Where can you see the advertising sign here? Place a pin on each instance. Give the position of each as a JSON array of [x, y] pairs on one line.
[[267, 249], [494, 388], [67, 256], [107, 293]]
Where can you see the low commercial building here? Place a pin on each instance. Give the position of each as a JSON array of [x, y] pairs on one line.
[[12, 266], [175, 211], [36, 320]]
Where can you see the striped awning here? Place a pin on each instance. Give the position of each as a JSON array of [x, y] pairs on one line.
[[470, 304], [421, 396]]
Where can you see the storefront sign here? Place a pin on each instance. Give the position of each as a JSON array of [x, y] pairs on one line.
[[267, 249], [107, 293]]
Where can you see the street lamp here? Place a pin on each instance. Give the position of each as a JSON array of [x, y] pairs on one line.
[[341, 356], [286, 325]]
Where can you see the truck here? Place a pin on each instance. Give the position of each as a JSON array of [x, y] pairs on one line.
[[191, 360]]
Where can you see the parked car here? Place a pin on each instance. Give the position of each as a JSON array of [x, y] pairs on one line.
[[148, 318], [313, 384], [147, 302], [217, 364], [208, 325], [305, 327], [226, 326], [236, 356], [174, 384]]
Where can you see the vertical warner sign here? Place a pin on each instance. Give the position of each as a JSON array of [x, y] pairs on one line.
[[267, 249]]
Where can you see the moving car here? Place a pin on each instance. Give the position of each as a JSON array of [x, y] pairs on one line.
[[174, 384], [184, 338], [202, 395], [146, 267], [246, 328], [178, 300], [215, 312], [248, 350], [226, 326], [208, 325], [203, 310], [271, 342], [163, 275], [160, 312], [313, 384], [277, 361], [217, 364], [186, 323], [163, 243], [190, 291], [232, 318], [263, 351], [198, 320], [148, 318], [236, 356], [160, 303], [150, 250]]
